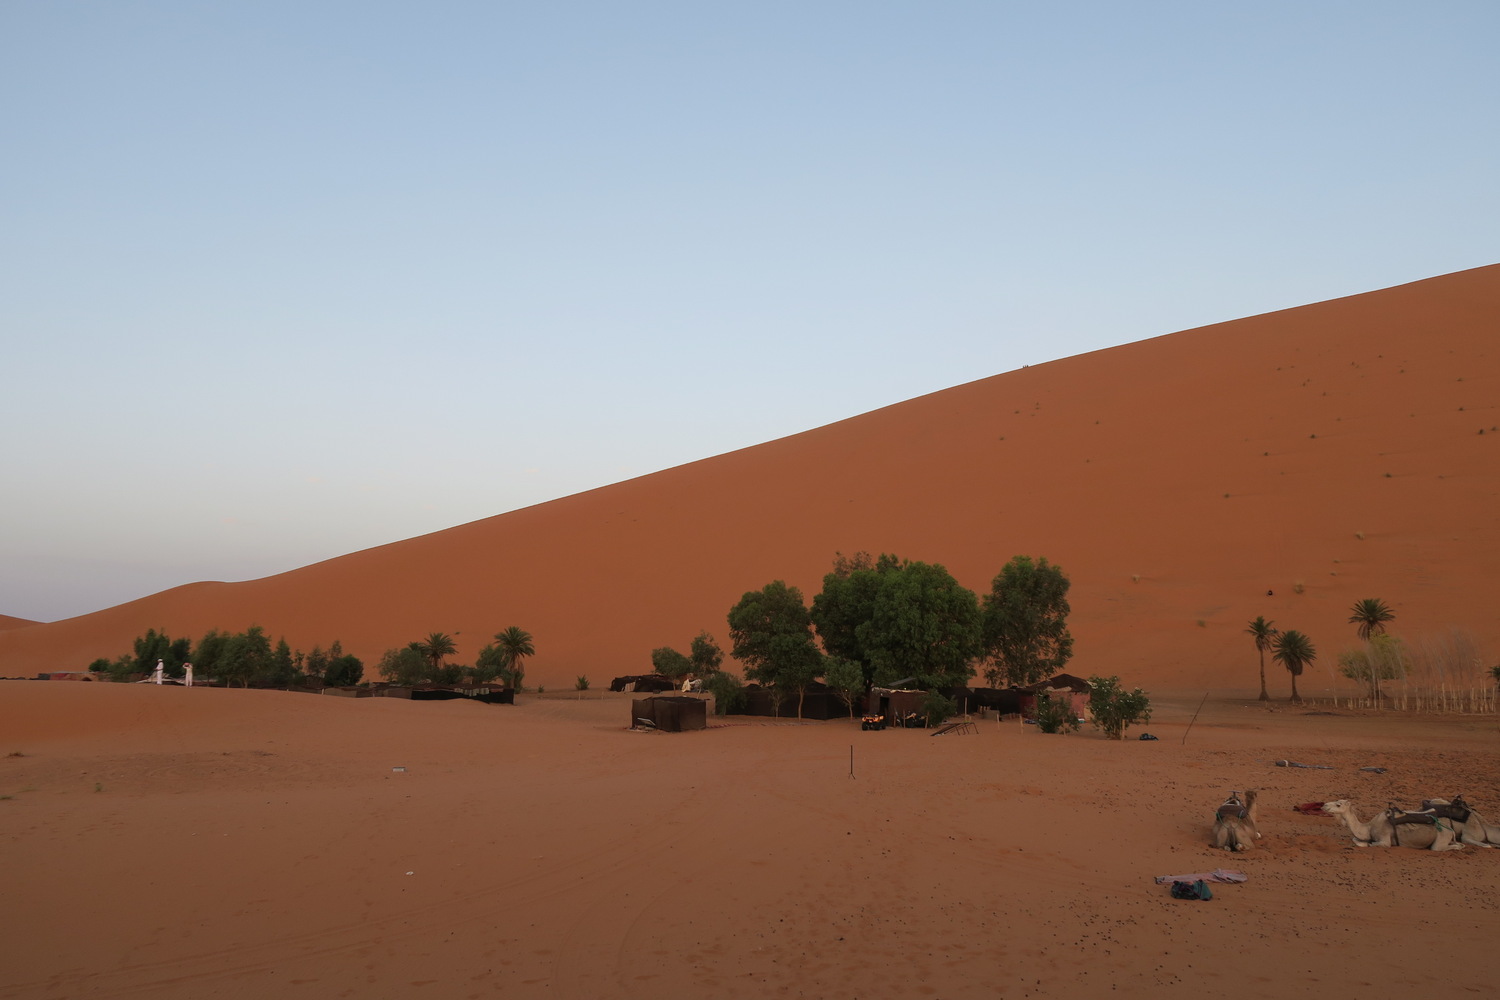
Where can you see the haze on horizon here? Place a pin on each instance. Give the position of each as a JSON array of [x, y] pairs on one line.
[[287, 281]]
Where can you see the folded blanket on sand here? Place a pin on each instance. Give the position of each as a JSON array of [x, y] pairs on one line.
[[1217, 875], [1310, 809]]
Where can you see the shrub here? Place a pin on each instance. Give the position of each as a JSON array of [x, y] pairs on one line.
[[1055, 715], [582, 684], [937, 708], [1383, 658], [728, 692], [1113, 709]]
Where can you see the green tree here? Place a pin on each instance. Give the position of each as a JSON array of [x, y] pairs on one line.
[[922, 624], [670, 663], [705, 655], [772, 635], [283, 666], [344, 671], [1294, 651], [846, 602], [209, 652], [1112, 708], [245, 658], [1026, 622], [489, 665], [316, 666], [1370, 616], [1382, 658], [433, 649], [405, 667], [1264, 633], [516, 644], [155, 646], [846, 679]]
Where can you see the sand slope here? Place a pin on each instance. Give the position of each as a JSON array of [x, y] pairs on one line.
[[183, 843], [1349, 448]]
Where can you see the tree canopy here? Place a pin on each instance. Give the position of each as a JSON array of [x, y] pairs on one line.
[[922, 624], [771, 632], [898, 619], [1026, 622], [846, 602], [1370, 616], [1294, 651]]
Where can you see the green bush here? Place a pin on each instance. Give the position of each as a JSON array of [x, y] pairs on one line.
[[582, 684], [728, 691], [1055, 715], [938, 708], [1113, 709]]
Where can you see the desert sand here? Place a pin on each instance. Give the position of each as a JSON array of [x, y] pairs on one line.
[[1284, 465], [170, 842]]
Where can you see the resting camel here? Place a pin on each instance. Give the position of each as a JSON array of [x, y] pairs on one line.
[[1381, 831], [1468, 825], [1234, 822]]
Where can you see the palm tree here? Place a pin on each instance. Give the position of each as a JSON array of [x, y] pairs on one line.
[[1264, 632], [433, 648], [1370, 615], [515, 645], [1293, 651]]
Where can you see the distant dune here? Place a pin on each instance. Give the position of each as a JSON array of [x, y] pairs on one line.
[[1284, 465], [7, 622]]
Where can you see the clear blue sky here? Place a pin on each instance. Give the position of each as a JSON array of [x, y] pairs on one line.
[[284, 280]]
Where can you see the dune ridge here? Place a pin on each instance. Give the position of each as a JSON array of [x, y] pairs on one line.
[[1286, 464]]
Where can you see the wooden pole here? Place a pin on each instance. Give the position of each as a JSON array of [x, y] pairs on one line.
[[1195, 717]]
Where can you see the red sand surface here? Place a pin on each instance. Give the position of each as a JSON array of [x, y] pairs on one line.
[[184, 843], [1333, 448]]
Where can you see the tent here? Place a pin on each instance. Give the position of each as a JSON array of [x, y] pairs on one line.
[[670, 714]]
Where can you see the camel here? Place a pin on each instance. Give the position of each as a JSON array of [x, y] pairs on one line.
[[1468, 825], [1381, 831], [1234, 822]]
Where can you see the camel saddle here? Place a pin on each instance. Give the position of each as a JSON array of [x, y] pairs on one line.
[[1233, 809], [1456, 810], [1398, 816]]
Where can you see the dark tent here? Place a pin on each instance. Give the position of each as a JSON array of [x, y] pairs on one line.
[[818, 702], [643, 683], [669, 714], [1004, 701]]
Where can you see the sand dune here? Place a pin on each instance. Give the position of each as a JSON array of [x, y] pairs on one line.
[[7, 622], [1285, 465], [183, 843]]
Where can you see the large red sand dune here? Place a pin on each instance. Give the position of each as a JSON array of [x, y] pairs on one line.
[[1323, 454]]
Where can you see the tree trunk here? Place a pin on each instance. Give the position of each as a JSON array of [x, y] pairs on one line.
[[1296, 698], [1263, 695]]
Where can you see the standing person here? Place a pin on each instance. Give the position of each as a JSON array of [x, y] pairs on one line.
[[187, 670], [156, 677]]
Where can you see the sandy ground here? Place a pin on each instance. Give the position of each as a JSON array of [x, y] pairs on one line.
[[164, 842]]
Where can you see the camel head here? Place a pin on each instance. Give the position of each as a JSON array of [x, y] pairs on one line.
[[1338, 807]]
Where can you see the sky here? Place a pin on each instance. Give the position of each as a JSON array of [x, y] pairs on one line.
[[280, 281]]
